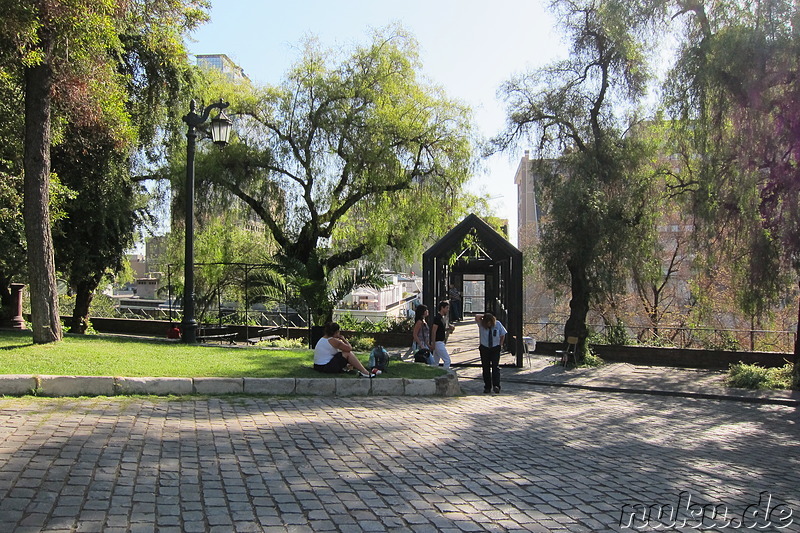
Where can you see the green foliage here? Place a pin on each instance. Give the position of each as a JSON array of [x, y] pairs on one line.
[[103, 306], [110, 69], [225, 253], [745, 376], [617, 334], [733, 95], [362, 343], [591, 360], [660, 341], [283, 343], [348, 323], [721, 340], [594, 178], [350, 159], [405, 325]]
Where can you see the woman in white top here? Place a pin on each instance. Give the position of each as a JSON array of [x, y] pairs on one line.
[[492, 334], [333, 354]]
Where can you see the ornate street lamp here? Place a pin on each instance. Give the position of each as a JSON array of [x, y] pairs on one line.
[[220, 133]]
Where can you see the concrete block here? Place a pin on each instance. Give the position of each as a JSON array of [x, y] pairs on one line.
[[269, 386], [17, 384], [447, 385], [156, 386], [315, 386], [215, 386], [353, 387], [420, 387], [76, 386], [388, 386]]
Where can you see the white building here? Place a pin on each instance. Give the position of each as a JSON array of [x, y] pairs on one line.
[[397, 300]]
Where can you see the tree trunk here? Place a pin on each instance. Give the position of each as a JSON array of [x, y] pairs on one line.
[[578, 306], [5, 302], [45, 319], [796, 380], [316, 297], [83, 301]]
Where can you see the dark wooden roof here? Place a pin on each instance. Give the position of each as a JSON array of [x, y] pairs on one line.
[[497, 246]]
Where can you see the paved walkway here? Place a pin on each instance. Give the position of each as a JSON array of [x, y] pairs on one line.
[[533, 458], [613, 377], [556, 457]]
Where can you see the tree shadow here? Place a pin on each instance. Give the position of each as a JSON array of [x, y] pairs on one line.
[[532, 460]]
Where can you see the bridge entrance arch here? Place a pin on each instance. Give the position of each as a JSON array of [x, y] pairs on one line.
[[486, 269]]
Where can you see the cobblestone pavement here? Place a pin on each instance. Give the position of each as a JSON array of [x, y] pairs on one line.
[[533, 458]]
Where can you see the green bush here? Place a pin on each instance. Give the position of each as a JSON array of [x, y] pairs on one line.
[[404, 325], [744, 376], [590, 359], [617, 334], [722, 341], [362, 343], [348, 323], [284, 343]]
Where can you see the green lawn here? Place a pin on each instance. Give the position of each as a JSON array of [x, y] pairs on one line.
[[124, 357]]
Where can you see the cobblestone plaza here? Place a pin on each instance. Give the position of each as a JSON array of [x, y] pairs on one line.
[[533, 458]]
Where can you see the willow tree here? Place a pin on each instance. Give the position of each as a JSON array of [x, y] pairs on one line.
[[734, 92], [348, 159], [596, 186]]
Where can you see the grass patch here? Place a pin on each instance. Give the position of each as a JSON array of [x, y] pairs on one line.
[[117, 356], [744, 376]]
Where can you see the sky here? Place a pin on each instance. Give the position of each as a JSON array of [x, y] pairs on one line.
[[468, 47]]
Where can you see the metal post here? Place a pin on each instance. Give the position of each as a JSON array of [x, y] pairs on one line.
[[189, 324], [193, 120]]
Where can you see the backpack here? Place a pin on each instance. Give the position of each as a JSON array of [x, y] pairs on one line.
[[378, 358], [422, 356]]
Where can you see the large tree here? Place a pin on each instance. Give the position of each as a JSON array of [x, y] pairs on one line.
[[735, 94], [100, 218], [95, 161], [596, 186], [83, 62], [345, 161]]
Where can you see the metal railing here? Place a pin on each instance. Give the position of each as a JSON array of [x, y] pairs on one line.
[[673, 336]]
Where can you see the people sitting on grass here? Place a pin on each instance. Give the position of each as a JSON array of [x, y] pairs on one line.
[[333, 354]]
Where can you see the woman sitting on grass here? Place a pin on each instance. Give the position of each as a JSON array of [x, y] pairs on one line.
[[333, 354]]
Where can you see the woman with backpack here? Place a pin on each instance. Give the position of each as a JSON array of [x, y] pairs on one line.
[[492, 334]]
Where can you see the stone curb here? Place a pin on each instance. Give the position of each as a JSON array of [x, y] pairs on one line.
[[56, 386]]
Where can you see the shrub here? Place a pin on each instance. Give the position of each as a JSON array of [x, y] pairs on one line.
[[744, 376], [617, 334], [722, 341], [403, 325], [284, 343], [362, 343], [590, 359]]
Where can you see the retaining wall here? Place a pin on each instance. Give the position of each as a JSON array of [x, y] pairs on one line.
[[56, 386], [675, 357], [159, 328]]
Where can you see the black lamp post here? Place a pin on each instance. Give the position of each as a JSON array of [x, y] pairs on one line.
[[220, 133]]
